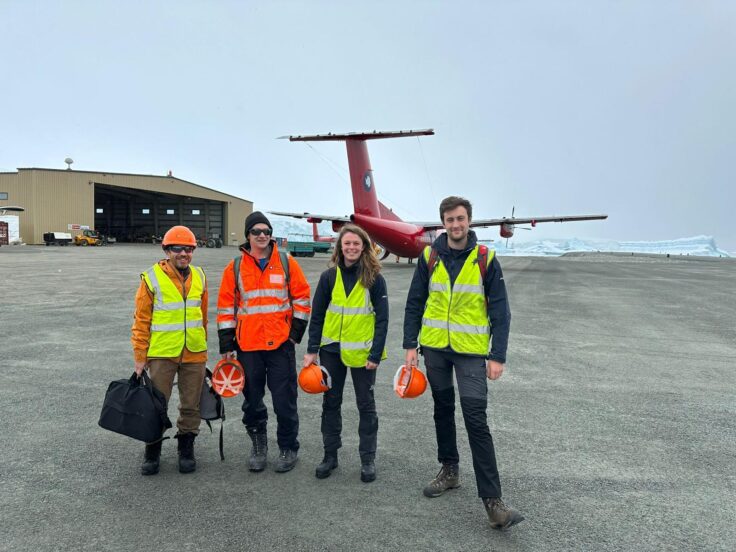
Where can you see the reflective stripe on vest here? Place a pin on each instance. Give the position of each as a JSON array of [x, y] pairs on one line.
[[280, 294], [175, 323], [456, 314], [350, 321]]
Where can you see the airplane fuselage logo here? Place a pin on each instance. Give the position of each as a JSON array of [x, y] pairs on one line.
[[368, 181]]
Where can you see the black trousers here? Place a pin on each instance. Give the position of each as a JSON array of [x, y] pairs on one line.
[[471, 382], [363, 383], [276, 368]]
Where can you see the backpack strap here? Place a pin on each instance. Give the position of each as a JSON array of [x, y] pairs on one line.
[[209, 425], [483, 261], [284, 256], [236, 273], [432, 262], [285, 265], [220, 410]]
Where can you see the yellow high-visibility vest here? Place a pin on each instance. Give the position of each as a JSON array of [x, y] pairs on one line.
[[175, 322], [456, 315], [350, 321]]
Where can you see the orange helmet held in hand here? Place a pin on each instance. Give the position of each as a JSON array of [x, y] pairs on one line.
[[409, 383], [179, 235], [315, 379], [228, 379]]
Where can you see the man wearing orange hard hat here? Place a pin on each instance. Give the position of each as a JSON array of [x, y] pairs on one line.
[[457, 310], [169, 337]]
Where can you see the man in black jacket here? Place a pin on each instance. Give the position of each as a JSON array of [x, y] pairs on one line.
[[456, 320]]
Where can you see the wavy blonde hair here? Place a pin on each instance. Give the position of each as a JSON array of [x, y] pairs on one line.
[[369, 265]]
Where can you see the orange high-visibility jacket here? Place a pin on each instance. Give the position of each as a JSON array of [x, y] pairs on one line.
[[264, 304]]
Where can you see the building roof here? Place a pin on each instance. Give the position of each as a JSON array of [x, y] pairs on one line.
[[130, 174]]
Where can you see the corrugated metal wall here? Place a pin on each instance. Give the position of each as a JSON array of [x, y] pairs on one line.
[[20, 192], [54, 199]]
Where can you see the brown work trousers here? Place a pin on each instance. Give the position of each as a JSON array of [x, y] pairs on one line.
[[189, 377]]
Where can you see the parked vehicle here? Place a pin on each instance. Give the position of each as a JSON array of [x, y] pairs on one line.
[[318, 246], [213, 241], [88, 237], [57, 238], [300, 248]]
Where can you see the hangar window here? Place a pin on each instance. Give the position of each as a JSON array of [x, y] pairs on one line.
[[169, 211], [146, 211], [99, 210], [3, 195], [195, 211]]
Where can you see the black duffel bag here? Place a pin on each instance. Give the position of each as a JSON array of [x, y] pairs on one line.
[[134, 407]]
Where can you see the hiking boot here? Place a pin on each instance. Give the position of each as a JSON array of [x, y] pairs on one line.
[[259, 452], [329, 463], [286, 460], [447, 478], [151, 459], [368, 471], [187, 463], [501, 516]]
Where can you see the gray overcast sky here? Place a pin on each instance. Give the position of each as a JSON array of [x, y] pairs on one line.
[[556, 107]]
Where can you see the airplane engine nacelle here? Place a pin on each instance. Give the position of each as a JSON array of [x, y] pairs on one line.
[[507, 230], [336, 225]]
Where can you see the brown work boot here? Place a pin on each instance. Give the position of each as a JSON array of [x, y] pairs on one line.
[[447, 478], [501, 516]]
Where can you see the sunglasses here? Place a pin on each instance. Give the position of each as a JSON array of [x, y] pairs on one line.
[[180, 248], [259, 231]]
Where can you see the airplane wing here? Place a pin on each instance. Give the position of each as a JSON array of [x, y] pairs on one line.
[[514, 221], [311, 216]]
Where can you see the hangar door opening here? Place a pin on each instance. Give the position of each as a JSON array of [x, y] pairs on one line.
[[131, 215]]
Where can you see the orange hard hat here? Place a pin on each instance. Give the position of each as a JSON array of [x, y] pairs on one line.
[[315, 379], [409, 383], [179, 235], [228, 379]]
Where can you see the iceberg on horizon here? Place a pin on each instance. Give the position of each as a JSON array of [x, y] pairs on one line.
[[703, 246]]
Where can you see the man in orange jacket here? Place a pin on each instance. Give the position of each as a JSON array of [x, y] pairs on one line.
[[261, 314], [169, 337]]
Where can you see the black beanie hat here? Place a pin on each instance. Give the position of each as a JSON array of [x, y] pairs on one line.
[[256, 217]]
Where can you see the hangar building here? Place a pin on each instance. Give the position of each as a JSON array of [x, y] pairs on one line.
[[128, 207]]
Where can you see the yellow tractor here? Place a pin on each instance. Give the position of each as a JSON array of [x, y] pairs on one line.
[[88, 237]]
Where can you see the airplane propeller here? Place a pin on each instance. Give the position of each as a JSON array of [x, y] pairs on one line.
[[513, 226]]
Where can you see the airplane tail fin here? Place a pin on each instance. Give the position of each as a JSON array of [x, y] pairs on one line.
[[365, 200], [387, 213]]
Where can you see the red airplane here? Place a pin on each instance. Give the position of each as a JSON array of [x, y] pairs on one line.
[[318, 238], [403, 239]]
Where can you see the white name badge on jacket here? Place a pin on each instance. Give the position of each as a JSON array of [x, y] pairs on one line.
[[276, 278]]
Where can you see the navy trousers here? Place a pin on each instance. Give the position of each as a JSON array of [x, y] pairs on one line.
[[277, 369], [363, 382], [470, 372]]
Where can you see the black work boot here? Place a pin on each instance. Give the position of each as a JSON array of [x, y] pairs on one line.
[[501, 516], [368, 471], [447, 478], [259, 452], [286, 460], [329, 463], [151, 458], [187, 463]]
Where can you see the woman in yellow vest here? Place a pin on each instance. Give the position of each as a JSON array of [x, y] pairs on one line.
[[348, 329]]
